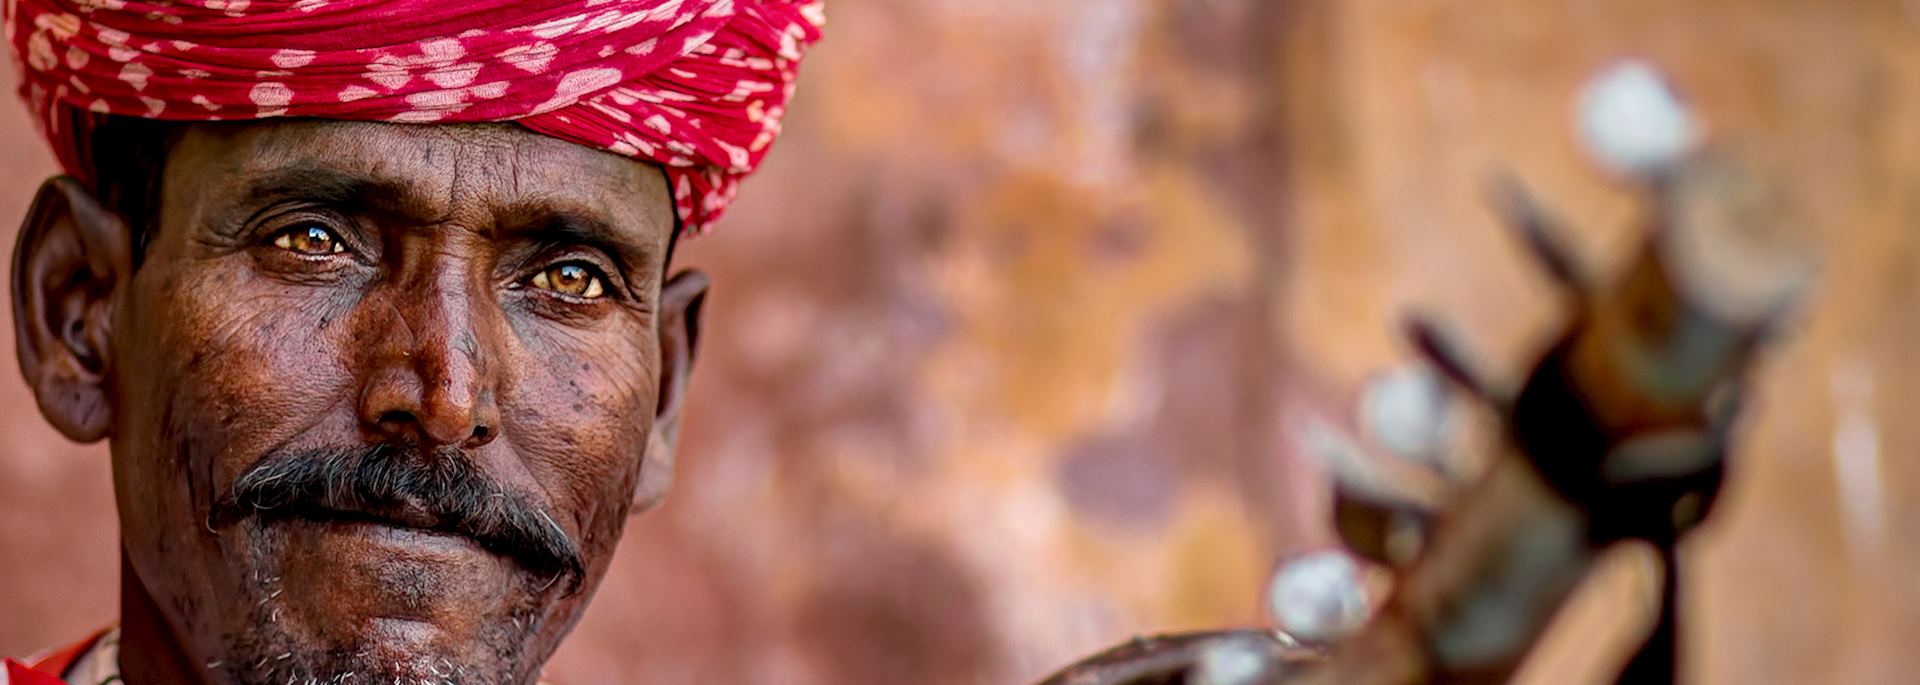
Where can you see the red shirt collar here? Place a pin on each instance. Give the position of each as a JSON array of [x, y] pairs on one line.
[[47, 670]]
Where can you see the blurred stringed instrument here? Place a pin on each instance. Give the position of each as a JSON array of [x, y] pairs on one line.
[[1618, 432]]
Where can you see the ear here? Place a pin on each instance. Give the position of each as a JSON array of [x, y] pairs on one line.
[[72, 257], [680, 302]]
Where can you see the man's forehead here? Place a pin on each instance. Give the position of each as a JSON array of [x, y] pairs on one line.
[[437, 169]]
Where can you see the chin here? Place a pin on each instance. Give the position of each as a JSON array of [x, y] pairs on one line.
[[379, 650]]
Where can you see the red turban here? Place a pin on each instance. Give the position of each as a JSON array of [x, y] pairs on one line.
[[698, 86]]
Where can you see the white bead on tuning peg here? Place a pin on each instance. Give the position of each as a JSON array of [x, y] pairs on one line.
[[1409, 411], [1632, 122], [1319, 597]]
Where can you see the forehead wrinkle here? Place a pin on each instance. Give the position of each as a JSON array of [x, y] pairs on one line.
[[490, 169], [344, 162], [598, 197]]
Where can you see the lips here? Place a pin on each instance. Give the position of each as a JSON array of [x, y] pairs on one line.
[[406, 525]]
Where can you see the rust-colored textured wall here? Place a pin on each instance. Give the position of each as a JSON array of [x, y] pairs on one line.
[[1005, 336]]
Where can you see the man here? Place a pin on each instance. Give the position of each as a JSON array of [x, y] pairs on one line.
[[381, 380]]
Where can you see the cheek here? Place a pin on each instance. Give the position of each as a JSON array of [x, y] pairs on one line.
[[245, 363], [577, 412], [213, 372]]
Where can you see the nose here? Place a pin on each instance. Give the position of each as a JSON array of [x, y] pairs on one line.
[[429, 378]]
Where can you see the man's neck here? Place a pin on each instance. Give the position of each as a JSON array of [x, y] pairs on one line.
[[149, 652]]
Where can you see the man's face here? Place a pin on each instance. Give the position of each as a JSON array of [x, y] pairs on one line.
[[379, 397]]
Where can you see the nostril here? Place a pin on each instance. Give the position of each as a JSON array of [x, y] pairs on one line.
[[396, 419], [481, 436]]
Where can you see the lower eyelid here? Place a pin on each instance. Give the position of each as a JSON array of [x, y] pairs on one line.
[[306, 269]]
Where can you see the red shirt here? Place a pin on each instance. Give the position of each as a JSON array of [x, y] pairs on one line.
[[47, 669]]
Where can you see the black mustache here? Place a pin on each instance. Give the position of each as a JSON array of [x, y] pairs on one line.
[[399, 483]]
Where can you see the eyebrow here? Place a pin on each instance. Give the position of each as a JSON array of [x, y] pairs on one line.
[[335, 187], [569, 226]]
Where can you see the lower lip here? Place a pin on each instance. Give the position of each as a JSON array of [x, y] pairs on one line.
[[368, 569], [398, 538]]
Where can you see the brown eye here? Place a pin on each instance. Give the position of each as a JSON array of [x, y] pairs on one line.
[[309, 239], [572, 278]]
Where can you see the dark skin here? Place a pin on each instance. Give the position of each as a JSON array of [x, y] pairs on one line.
[[474, 296]]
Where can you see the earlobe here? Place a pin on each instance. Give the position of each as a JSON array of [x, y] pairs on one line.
[[71, 259], [681, 299]]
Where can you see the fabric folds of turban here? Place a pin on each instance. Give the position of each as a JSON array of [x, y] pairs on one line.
[[697, 86]]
